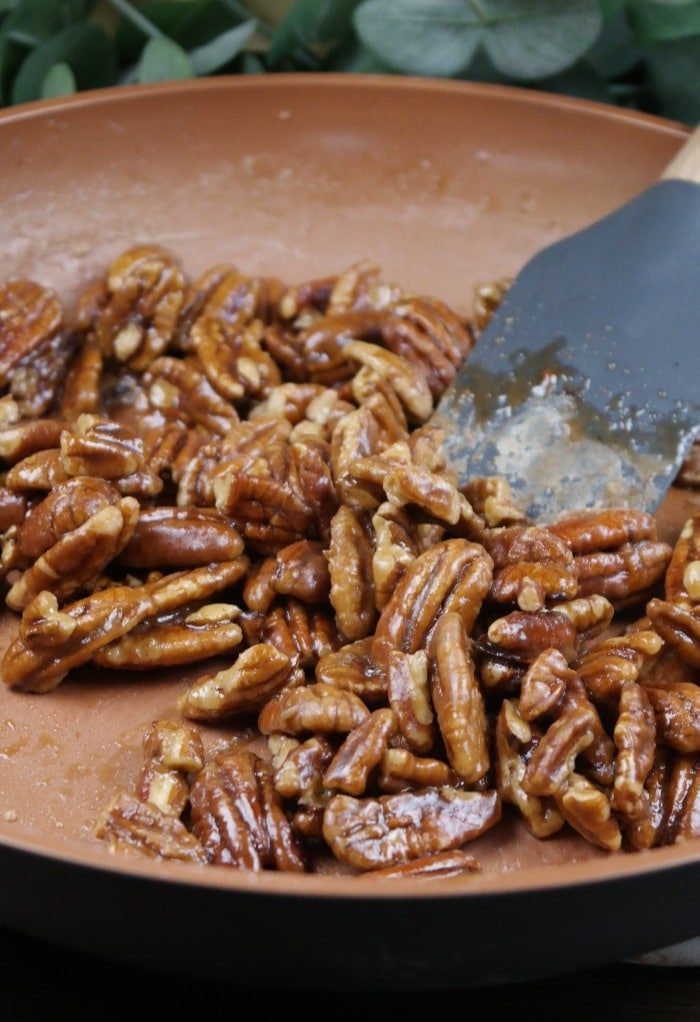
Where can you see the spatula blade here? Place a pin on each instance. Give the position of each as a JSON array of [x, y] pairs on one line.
[[584, 388]]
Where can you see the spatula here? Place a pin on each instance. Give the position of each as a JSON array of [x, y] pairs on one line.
[[584, 388]]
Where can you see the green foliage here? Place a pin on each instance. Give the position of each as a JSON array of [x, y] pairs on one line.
[[642, 54]]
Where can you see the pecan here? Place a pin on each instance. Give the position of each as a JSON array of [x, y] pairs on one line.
[[409, 383], [350, 567], [256, 673], [527, 634], [454, 863], [401, 769], [183, 637], [544, 684], [238, 816], [611, 661], [319, 707], [679, 627], [29, 315], [130, 824], [531, 565], [66, 507], [459, 704], [635, 737], [79, 556], [168, 537], [226, 337], [28, 436], [676, 708], [408, 691], [179, 390], [453, 575], [553, 759], [304, 633], [82, 383], [171, 753], [514, 739], [52, 642], [492, 498], [625, 575], [361, 753], [354, 667], [373, 833], [39, 471], [100, 447], [587, 810], [302, 571], [396, 544], [299, 772], [682, 579], [145, 292], [586, 532], [430, 336]]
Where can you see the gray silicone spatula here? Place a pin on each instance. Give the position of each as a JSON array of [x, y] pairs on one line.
[[584, 388]]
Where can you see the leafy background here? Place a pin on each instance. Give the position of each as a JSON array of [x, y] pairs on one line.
[[641, 54]]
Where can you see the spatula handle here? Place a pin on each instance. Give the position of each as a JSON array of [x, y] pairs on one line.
[[686, 163]]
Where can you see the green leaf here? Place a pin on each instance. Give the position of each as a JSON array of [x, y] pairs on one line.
[[525, 39], [59, 81], [655, 22], [84, 47], [222, 49], [420, 37], [540, 37], [673, 81], [309, 23], [162, 60]]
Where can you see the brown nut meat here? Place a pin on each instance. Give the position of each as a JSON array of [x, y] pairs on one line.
[[375, 833]]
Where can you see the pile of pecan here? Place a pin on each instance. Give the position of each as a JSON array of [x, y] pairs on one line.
[[238, 474]]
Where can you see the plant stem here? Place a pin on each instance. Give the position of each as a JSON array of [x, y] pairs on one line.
[[135, 17]]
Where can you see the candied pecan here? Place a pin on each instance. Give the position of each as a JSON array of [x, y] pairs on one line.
[[682, 579], [79, 557], [101, 447], [179, 390], [302, 571], [51, 642], [457, 699], [172, 752], [624, 575], [373, 833], [64, 508], [256, 673], [635, 737], [401, 769], [527, 634], [552, 761], [169, 537], [587, 810], [676, 708], [531, 566], [183, 637], [29, 315], [487, 298], [586, 532], [238, 816], [266, 510], [408, 691], [433, 495], [361, 753], [492, 498], [514, 740], [311, 479], [145, 292], [610, 661], [39, 471], [353, 666], [130, 824], [430, 336], [298, 772], [451, 575], [318, 707], [408, 382], [544, 683], [678, 626], [305, 633], [396, 544], [681, 800], [81, 391], [454, 863], [350, 567], [226, 337], [27, 437]]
